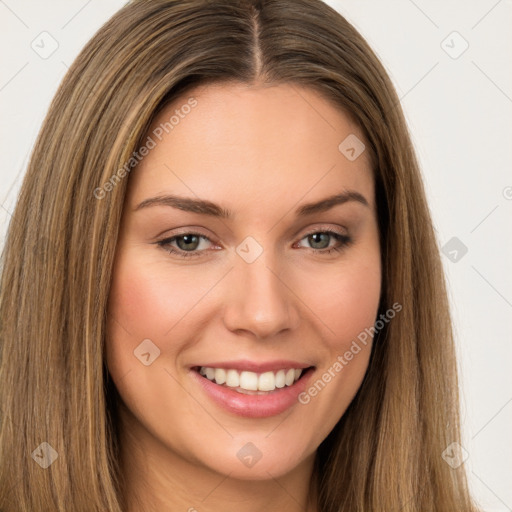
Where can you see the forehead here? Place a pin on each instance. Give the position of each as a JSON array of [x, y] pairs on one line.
[[240, 144]]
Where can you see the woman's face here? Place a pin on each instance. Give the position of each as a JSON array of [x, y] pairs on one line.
[[274, 271]]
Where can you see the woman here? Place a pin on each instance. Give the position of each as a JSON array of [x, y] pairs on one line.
[[176, 332]]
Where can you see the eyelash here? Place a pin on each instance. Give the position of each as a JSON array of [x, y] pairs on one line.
[[344, 240]]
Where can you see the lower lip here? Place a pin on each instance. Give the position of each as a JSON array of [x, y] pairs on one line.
[[254, 406]]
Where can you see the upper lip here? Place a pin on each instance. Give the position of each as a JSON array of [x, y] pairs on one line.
[[254, 366]]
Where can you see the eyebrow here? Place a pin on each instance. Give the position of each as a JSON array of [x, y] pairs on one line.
[[205, 207]]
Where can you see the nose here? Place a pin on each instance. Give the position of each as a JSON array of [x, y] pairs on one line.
[[258, 300]]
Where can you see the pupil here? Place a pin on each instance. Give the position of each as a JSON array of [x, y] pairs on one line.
[[317, 236], [188, 239]]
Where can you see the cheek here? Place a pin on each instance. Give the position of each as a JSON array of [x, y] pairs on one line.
[[345, 296], [354, 301], [147, 301], [146, 313], [346, 306], [140, 308]]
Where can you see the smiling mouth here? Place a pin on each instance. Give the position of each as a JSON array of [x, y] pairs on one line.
[[252, 383]]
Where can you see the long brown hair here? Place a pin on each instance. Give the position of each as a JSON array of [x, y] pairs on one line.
[[385, 454]]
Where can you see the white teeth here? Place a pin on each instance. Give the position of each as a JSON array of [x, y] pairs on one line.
[[251, 381], [232, 379], [220, 375], [290, 377], [280, 380], [267, 381]]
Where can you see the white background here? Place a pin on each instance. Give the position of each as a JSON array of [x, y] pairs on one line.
[[460, 114]]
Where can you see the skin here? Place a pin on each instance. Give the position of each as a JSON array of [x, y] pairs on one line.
[[260, 152]]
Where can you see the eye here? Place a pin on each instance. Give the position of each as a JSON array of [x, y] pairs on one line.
[[187, 244], [320, 241]]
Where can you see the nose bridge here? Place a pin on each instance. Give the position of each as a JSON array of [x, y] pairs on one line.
[[259, 301]]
